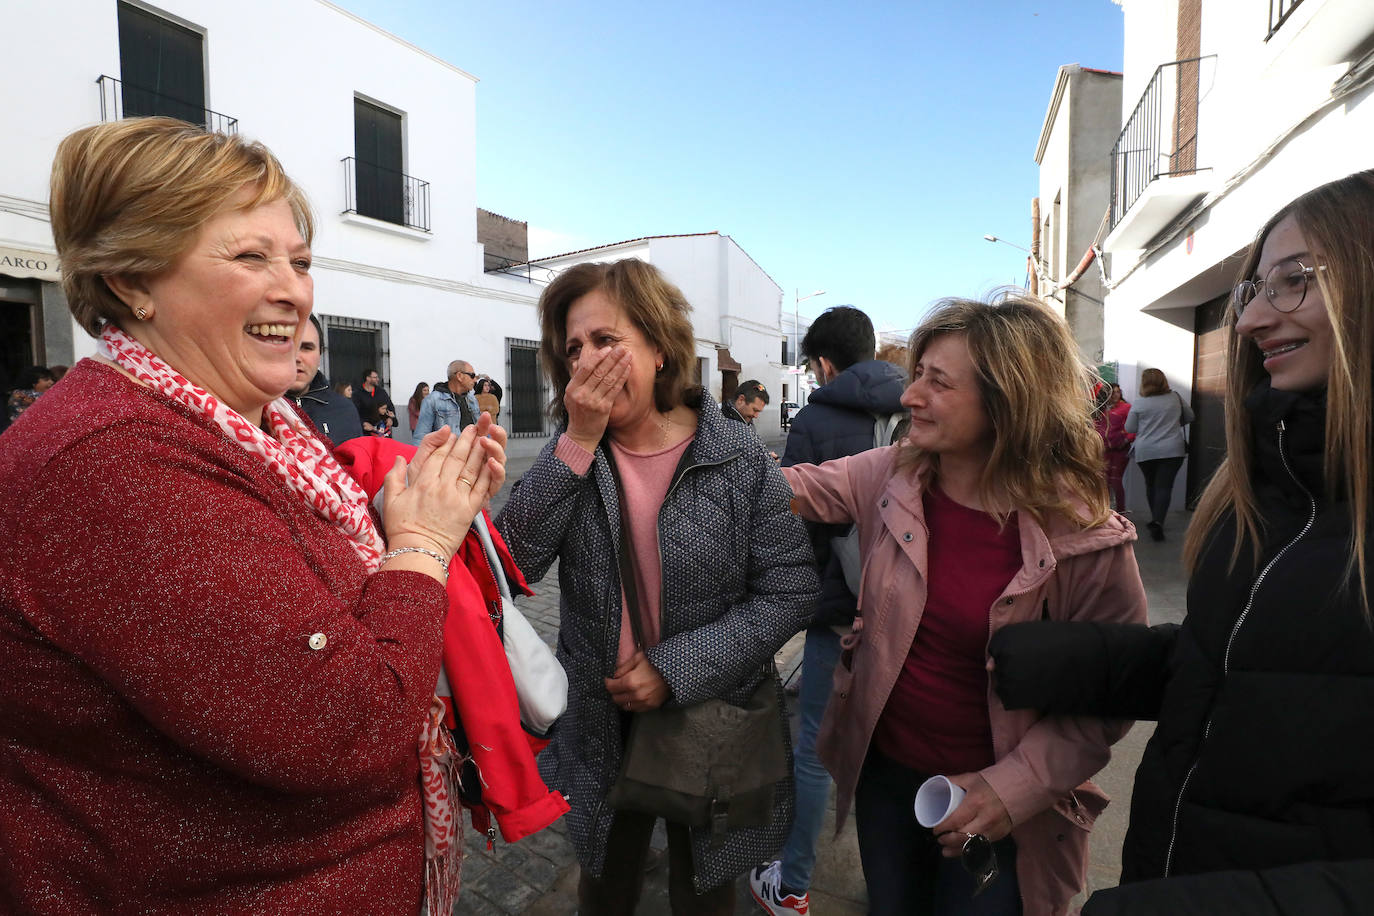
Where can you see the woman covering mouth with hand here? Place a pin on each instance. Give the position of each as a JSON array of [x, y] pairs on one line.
[[219, 663]]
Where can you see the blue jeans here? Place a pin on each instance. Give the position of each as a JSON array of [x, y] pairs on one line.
[[812, 781], [903, 868]]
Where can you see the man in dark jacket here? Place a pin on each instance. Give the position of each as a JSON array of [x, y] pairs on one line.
[[855, 390], [332, 413], [749, 401], [374, 405]]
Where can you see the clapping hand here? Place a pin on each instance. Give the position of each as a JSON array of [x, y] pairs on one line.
[[432, 502]]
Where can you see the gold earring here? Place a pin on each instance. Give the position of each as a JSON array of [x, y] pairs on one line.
[[142, 313]]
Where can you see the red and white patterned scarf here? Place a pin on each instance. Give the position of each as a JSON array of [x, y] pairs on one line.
[[300, 460], [305, 465]]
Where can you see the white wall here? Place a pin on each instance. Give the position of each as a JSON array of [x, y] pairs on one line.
[[1251, 96], [289, 71]]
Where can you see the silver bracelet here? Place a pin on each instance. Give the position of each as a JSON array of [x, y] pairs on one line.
[[392, 554]]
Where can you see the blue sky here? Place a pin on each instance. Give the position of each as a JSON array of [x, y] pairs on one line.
[[861, 148]]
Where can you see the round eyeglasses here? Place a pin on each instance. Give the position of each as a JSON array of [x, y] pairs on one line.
[[1284, 286]]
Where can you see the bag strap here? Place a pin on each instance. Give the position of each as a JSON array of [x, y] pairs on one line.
[[885, 428], [628, 584]]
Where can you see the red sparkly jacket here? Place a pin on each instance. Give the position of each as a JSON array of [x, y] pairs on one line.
[[483, 690], [206, 704]]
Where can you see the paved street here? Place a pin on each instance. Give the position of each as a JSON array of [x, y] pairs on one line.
[[538, 875]]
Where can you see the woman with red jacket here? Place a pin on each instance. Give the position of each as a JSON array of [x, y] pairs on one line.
[[220, 664], [484, 698]]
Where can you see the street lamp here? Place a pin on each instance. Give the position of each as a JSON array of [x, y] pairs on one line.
[[1030, 275], [796, 332], [796, 323], [993, 238]]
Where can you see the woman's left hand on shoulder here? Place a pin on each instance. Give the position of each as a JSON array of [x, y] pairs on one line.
[[981, 811], [636, 685]]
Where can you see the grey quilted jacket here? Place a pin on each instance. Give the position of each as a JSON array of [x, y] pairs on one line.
[[738, 582]]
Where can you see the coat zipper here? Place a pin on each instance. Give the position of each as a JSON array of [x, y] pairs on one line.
[[1235, 631]]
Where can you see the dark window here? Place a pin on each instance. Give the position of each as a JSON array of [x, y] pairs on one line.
[[528, 393], [379, 178], [354, 345], [162, 67]]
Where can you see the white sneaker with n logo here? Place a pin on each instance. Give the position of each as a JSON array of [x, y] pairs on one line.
[[765, 883]]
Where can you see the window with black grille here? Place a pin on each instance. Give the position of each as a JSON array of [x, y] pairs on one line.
[[354, 346], [379, 177], [528, 392], [162, 67]]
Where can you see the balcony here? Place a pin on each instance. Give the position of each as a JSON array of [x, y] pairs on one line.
[[1307, 34], [1155, 173], [1279, 11], [120, 100], [386, 195]]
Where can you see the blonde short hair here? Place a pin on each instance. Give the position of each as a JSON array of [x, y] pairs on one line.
[[129, 197]]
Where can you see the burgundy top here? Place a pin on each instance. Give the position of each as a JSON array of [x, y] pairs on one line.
[[936, 718], [207, 704]]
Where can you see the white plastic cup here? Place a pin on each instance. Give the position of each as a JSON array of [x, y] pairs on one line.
[[936, 800]]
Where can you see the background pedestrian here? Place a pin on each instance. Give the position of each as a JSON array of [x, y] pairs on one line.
[[1156, 420]]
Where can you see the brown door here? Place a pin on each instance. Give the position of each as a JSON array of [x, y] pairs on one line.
[[1207, 434]]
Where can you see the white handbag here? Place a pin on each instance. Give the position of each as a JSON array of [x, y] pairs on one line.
[[541, 684]]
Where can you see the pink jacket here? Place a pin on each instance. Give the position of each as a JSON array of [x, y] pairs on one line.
[[1067, 574]]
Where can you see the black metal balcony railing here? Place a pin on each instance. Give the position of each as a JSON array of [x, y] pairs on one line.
[[120, 100], [1160, 137], [1279, 11], [385, 194]]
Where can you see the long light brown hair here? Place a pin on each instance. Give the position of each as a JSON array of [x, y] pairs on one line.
[[1337, 220], [1046, 456], [650, 301]]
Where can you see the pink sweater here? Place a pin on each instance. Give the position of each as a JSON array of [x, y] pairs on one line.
[[644, 481]]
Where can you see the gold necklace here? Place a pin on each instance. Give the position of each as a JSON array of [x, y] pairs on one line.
[[667, 425]]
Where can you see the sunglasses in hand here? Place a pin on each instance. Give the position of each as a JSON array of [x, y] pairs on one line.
[[979, 860]]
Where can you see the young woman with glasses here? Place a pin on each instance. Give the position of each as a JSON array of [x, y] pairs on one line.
[[992, 510], [1255, 793]]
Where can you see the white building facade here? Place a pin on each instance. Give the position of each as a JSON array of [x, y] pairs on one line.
[[380, 134], [1082, 122], [1231, 109]]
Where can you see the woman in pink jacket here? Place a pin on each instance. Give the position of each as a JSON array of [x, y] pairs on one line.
[[992, 511]]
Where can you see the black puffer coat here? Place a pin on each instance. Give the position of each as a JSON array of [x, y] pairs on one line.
[[332, 413], [835, 423], [1256, 792], [738, 581]]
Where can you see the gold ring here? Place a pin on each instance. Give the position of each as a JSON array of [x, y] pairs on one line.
[[466, 481]]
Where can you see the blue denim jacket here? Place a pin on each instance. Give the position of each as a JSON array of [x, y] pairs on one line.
[[442, 407]]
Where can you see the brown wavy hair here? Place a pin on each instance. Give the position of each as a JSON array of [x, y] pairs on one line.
[[1046, 456], [651, 302], [129, 197], [1336, 219]]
